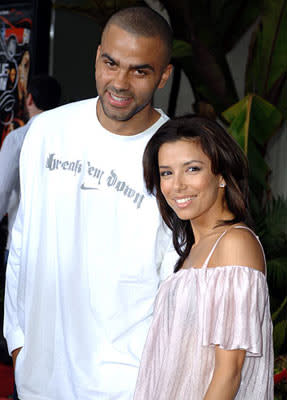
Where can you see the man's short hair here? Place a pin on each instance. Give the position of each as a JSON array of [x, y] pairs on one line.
[[45, 91], [143, 21]]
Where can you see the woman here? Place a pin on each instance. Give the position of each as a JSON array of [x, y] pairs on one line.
[[211, 335]]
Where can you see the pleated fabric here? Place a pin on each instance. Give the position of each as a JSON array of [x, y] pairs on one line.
[[195, 310]]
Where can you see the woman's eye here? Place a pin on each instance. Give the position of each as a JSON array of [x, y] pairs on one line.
[[193, 169], [165, 173]]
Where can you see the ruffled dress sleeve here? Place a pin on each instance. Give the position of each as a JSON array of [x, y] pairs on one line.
[[234, 308]]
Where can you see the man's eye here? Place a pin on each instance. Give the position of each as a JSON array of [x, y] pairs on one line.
[[140, 72], [110, 64]]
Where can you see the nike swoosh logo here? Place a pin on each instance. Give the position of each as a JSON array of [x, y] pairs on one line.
[[84, 187]]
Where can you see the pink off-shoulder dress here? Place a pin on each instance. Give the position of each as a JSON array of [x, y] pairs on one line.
[[195, 310]]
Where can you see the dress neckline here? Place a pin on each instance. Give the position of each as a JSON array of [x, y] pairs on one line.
[[218, 267], [205, 264]]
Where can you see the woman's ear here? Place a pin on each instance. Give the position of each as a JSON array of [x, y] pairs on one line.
[[222, 183]]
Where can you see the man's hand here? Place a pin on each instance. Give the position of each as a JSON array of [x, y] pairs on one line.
[[15, 355]]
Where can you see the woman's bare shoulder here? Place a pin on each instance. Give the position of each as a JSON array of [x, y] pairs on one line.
[[239, 246]]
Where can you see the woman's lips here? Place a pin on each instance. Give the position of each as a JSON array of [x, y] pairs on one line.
[[184, 201]]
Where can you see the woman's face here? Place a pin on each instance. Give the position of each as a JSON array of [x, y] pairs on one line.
[[187, 182]]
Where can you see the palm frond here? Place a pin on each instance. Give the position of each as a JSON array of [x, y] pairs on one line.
[[280, 312], [277, 274], [273, 218], [271, 226], [279, 318], [280, 337]]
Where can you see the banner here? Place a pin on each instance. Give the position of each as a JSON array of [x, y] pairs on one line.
[[15, 59]]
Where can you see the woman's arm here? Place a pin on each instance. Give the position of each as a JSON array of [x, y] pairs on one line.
[[239, 247], [227, 374]]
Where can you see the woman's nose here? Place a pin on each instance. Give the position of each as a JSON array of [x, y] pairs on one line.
[[179, 183]]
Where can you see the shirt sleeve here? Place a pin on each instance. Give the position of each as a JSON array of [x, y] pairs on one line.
[[166, 256], [234, 309], [12, 330], [9, 171]]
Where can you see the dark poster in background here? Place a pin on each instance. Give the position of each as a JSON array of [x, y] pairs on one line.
[[15, 60]]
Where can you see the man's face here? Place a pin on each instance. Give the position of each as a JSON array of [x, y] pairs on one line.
[[129, 68]]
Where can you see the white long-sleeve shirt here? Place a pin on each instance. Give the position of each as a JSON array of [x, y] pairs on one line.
[[88, 252]]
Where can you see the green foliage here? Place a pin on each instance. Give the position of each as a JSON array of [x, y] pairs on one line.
[[271, 225], [181, 49], [279, 318], [252, 122], [267, 66], [100, 10], [212, 28], [253, 118], [237, 116]]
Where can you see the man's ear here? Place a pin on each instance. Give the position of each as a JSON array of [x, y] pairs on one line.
[[165, 75], [98, 52], [29, 99], [97, 56]]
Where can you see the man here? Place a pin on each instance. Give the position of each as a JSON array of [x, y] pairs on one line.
[[43, 94], [89, 248]]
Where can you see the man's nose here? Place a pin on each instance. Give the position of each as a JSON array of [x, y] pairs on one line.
[[121, 80]]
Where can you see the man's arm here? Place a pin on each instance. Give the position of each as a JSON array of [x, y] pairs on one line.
[[9, 171], [12, 330], [166, 256], [15, 355]]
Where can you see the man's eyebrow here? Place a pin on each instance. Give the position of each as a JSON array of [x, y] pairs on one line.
[[105, 55], [140, 66]]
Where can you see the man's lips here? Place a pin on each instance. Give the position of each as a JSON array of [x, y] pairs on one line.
[[119, 101]]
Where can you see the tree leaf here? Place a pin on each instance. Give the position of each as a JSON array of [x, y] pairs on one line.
[[280, 310], [206, 68], [276, 216], [267, 64], [100, 10], [236, 115], [265, 120], [258, 168], [181, 49], [252, 123], [277, 275], [234, 18], [252, 117], [279, 336]]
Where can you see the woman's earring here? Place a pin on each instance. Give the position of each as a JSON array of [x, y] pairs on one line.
[[222, 185]]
